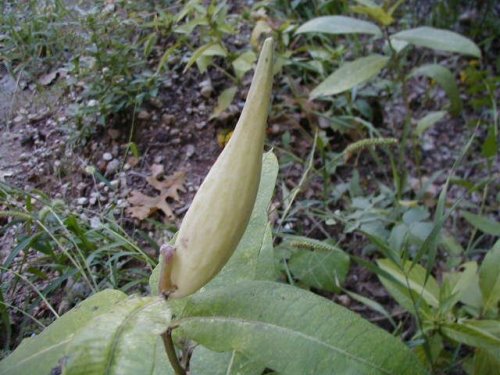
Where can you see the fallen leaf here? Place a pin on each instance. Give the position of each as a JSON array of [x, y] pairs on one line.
[[143, 206]]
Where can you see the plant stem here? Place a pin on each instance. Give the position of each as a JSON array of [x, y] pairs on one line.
[[170, 350]]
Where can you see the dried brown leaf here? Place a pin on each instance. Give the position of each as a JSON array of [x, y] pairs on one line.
[[143, 206]]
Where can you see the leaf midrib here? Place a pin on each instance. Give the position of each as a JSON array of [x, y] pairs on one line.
[[120, 329], [286, 330]]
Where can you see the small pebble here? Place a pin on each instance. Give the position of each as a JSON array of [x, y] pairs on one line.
[[107, 156], [82, 201], [143, 115], [112, 166]]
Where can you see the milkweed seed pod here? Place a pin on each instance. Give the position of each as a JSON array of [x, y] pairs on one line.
[[221, 209]]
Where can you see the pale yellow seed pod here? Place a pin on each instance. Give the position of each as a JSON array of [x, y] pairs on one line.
[[221, 209]]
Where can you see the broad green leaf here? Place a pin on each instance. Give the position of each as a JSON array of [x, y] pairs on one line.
[[443, 40], [224, 101], [161, 364], [489, 279], [244, 63], [39, 354], [457, 284], [350, 75], [412, 278], [483, 223], [339, 25], [453, 250], [428, 121], [261, 27], [414, 215], [293, 331], [486, 363], [253, 257], [446, 80], [122, 341], [471, 334], [321, 269], [490, 326], [206, 362]]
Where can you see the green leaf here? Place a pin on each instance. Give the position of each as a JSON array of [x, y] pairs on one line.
[[122, 341], [149, 44], [224, 101], [456, 285], [207, 50], [446, 80], [374, 305], [489, 279], [350, 75], [428, 121], [244, 63], [486, 363], [161, 364], [321, 269], [412, 278], [293, 331], [443, 40], [39, 354], [5, 322], [490, 145], [471, 334], [206, 362], [339, 25], [483, 223], [375, 13]]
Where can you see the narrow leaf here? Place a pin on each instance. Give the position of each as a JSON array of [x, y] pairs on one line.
[[413, 278], [471, 334], [489, 279], [428, 121], [293, 331], [350, 75], [438, 39], [483, 223], [446, 80], [224, 101], [339, 25]]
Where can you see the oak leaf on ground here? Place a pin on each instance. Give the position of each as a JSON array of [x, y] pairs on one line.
[[143, 206]]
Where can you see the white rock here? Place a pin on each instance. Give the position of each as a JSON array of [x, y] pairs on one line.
[[107, 156], [82, 201]]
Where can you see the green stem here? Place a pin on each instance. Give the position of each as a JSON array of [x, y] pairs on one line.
[[171, 354]]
